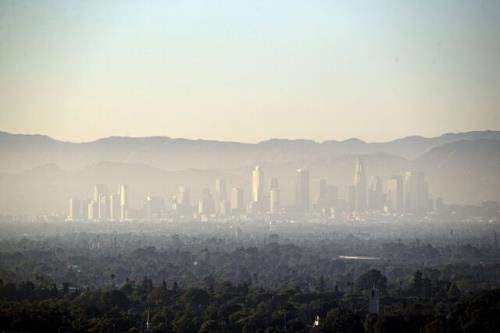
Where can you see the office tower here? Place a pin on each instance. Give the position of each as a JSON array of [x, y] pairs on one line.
[[322, 196], [394, 194], [327, 197], [93, 210], [236, 200], [274, 196], [416, 197], [115, 207], [154, 208], [220, 193], [76, 210], [360, 187], [100, 197], [124, 198], [103, 208], [206, 203], [183, 200], [302, 190], [333, 195], [257, 188], [99, 191], [85, 209], [223, 209], [375, 195]]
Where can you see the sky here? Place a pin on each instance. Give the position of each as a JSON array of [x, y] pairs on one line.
[[249, 70]]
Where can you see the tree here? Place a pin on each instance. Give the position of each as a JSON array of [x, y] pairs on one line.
[[116, 298], [342, 321], [418, 285], [391, 324], [370, 279]]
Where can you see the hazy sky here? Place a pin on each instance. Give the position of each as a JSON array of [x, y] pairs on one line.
[[249, 70]]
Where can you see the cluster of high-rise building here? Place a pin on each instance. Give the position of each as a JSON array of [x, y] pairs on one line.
[[401, 194], [104, 205], [406, 193]]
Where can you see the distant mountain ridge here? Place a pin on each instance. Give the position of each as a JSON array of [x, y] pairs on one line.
[[21, 152]]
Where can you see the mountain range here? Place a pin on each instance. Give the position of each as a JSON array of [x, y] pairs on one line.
[[38, 174]]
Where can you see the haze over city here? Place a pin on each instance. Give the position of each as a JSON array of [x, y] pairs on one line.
[[250, 166]]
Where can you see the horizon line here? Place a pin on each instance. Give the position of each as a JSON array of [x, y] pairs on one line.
[[247, 142]]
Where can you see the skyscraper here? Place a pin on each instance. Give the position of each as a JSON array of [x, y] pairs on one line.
[[124, 202], [103, 208], [375, 196], [100, 197], [77, 211], [332, 195], [206, 203], [220, 194], [322, 196], [274, 196], [360, 187], [327, 197], [154, 208], [416, 197], [100, 190], [115, 207], [183, 203], [302, 190], [223, 208], [93, 210], [394, 194], [236, 200], [257, 187]]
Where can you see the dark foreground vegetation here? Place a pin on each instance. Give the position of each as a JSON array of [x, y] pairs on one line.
[[216, 281], [26, 307]]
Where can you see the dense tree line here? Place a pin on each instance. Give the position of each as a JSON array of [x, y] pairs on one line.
[[118, 282], [26, 307], [270, 263]]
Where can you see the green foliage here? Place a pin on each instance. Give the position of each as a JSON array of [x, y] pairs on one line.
[[370, 279], [228, 308]]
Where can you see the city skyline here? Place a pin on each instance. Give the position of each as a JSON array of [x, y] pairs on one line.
[[374, 198], [398, 197]]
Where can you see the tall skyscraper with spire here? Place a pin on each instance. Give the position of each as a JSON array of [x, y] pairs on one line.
[[360, 187]]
